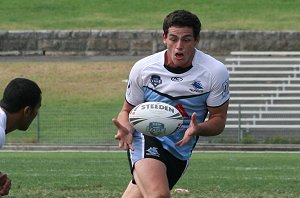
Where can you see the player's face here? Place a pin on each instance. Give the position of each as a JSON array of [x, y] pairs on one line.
[[181, 45]]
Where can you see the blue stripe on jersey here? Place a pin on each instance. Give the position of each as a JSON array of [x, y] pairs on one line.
[[196, 103]]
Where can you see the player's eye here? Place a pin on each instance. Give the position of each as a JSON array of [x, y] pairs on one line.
[[188, 39], [173, 39]]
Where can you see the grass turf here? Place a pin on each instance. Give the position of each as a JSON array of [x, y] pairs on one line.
[[209, 175], [79, 100], [275, 15]]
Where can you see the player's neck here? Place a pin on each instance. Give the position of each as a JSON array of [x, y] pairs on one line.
[[178, 70]]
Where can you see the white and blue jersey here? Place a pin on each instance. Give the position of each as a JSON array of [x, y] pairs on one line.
[[2, 127], [205, 84]]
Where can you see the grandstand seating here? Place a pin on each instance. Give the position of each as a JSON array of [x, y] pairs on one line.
[[265, 94]]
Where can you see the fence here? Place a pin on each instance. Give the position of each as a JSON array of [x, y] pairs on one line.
[[93, 126], [264, 123], [70, 125]]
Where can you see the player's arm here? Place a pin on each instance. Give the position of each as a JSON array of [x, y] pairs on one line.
[[215, 123], [213, 126], [125, 130]]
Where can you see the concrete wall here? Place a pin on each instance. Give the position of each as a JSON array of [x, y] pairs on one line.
[[137, 42]]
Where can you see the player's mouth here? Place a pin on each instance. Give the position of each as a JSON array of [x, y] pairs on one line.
[[179, 56]]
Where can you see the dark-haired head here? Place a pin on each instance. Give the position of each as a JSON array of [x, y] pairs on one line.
[[19, 93], [182, 18]]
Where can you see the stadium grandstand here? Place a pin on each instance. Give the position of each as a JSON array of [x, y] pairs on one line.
[[265, 97]]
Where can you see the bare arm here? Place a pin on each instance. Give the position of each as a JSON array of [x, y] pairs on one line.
[[213, 126], [216, 122]]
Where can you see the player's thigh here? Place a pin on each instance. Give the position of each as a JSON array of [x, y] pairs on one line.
[[150, 176]]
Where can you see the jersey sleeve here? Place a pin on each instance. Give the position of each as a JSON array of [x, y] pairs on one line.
[[2, 136], [219, 93], [2, 127], [134, 92]]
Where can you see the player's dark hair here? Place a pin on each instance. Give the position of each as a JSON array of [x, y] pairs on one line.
[[19, 93], [182, 18]]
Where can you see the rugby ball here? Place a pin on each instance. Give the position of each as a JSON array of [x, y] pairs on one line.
[[155, 118]]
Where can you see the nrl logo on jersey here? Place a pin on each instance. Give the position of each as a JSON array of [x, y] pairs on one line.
[[197, 87], [155, 80]]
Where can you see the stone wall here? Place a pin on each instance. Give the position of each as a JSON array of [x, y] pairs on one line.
[[137, 42]]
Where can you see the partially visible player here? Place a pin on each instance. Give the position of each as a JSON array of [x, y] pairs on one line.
[[5, 184], [184, 77], [19, 106]]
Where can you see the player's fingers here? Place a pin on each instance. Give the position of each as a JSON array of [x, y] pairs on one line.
[[185, 139], [194, 118], [123, 145], [179, 143], [130, 147], [117, 137], [182, 142], [5, 187], [3, 178], [3, 175]]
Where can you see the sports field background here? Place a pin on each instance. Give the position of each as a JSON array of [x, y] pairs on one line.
[[106, 175], [81, 98], [277, 15]]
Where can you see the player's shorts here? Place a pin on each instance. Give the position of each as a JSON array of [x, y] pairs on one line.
[[150, 147]]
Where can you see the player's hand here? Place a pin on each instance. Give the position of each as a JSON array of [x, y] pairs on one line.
[[124, 136], [190, 132], [5, 184]]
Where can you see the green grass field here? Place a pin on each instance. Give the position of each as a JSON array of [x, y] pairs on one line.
[[81, 86], [142, 14], [79, 99], [210, 175]]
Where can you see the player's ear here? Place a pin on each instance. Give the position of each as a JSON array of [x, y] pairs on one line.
[[164, 36], [27, 111]]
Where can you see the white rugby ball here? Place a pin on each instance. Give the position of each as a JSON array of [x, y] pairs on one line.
[[155, 118]]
